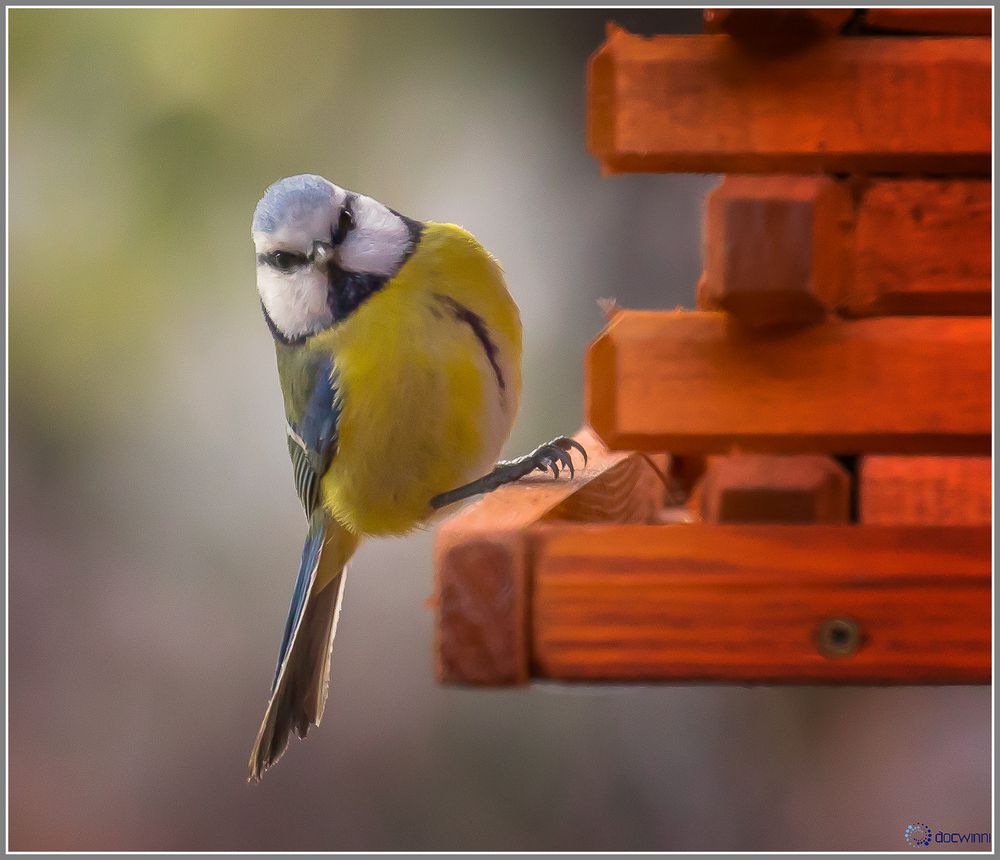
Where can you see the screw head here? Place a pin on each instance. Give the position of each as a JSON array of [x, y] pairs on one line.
[[838, 637]]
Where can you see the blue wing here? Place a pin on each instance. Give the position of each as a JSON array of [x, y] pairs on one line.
[[312, 441]]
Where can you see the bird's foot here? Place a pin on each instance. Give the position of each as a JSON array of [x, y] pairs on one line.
[[553, 456]]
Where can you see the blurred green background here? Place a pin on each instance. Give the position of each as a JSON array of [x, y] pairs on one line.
[[154, 531]]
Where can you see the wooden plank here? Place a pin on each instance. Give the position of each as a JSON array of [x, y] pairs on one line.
[[690, 382], [776, 248], [926, 491], [957, 22], [481, 557], [752, 604], [789, 250], [762, 488], [702, 104], [922, 247], [771, 29]]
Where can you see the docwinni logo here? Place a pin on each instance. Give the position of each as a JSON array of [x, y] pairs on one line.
[[918, 834]]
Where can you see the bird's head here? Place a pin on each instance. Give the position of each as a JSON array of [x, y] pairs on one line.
[[321, 251]]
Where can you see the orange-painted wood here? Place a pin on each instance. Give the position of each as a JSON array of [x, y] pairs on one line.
[[959, 22], [922, 247], [693, 382], [791, 249], [767, 488], [777, 28], [704, 104], [481, 557], [925, 490], [776, 248], [762, 603]]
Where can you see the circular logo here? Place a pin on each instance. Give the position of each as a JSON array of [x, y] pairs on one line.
[[917, 834]]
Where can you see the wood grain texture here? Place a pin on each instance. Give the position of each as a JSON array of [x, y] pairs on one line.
[[777, 28], [692, 382], [792, 249], [922, 247], [925, 491], [481, 634], [481, 557], [776, 248], [957, 22], [860, 105], [763, 488], [746, 603]]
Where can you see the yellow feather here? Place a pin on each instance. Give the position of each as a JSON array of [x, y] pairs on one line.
[[422, 411]]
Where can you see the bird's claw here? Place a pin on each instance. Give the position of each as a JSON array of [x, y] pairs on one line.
[[556, 456], [567, 444]]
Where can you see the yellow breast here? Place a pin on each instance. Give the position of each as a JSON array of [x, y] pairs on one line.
[[429, 373]]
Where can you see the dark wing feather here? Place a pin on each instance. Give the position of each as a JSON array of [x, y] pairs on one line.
[[312, 441], [298, 691]]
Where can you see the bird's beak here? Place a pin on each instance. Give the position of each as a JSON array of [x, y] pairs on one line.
[[322, 254]]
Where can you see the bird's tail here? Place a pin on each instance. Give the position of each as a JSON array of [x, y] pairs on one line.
[[302, 677]]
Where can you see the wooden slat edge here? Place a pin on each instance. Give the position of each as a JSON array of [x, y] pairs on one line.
[[702, 104], [785, 250], [692, 383], [945, 22], [925, 490], [759, 488], [757, 604], [482, 554], [775, 29]]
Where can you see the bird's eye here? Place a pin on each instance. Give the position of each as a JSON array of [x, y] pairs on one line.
[[285, 261], [346, 222]]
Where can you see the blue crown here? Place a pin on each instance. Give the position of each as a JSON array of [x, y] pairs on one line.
[[289, 198]]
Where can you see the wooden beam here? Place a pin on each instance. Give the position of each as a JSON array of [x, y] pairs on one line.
[[776, 248], [926, 491], [922, 247], [947, 22], [774, 29], [786, 250], [762, 604], [691, 382], [702, 104], [481, 557], [763, 488]]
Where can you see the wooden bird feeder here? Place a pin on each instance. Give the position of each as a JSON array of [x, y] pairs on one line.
[[825, 414]]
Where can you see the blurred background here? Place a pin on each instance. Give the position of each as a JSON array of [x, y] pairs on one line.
[[154, 530]]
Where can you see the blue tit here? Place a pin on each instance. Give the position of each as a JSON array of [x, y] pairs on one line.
[[399, 356]]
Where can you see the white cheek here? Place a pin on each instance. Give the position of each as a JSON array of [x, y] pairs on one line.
[[379, 242], [297, 301]]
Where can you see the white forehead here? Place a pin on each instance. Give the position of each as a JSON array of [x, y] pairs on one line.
[[296, 210]]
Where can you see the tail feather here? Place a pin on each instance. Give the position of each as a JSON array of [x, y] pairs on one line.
[[311, 553], [318, 687], [301, 682]]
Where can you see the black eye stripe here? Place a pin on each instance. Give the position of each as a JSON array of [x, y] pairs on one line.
[[283, 261], [345, 223]]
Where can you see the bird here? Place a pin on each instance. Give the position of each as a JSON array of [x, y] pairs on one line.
[[398, 352]]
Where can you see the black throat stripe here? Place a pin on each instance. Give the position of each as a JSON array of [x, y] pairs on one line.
[[348, 290], [479, 329]]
